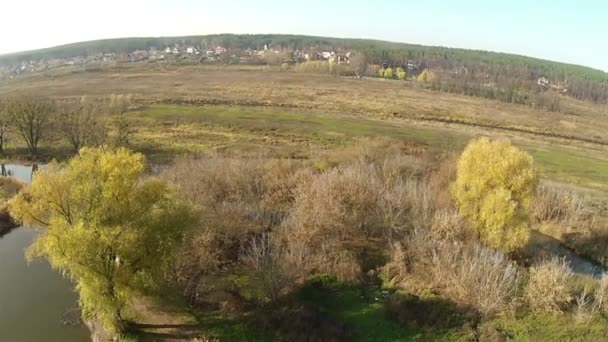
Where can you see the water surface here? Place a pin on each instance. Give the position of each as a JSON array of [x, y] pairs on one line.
[[36, 302]]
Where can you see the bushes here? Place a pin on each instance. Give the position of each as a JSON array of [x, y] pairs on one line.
[[558, 206], [493, 190], [321, 67], [401, 74], [339, 202], [468, 274], [294, 221], [427, 76], [265, 255], [276, 222], [548, 288]]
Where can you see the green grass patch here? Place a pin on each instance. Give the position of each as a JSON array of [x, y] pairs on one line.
[[362, 308], [568, 166], [253, 125], [545, 327], [330, 129]]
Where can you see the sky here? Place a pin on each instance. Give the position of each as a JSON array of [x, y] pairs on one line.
[[566, 31]]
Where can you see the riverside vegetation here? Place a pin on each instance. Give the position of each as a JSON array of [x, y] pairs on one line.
[[269, 249], [273, 224]]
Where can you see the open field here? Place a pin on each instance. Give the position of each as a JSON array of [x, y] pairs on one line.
[[201, 108], [264, 86]]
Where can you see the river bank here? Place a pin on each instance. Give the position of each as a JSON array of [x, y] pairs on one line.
[[9, 187], [7, 224]]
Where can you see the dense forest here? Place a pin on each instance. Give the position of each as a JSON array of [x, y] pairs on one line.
[[470, 72]]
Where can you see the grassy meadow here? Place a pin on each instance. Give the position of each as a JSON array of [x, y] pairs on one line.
[[252, 108]]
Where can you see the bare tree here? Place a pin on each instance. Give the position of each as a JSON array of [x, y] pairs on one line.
[[30, 116], [117, 108], [81, 123], [358, 62], [4, 122]]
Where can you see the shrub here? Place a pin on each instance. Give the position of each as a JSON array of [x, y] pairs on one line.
[[240, 199], [477, 276], [373, 70], [388, 73], [548, 288], [600, 295], [448, 225], [265, 256], [321, 67], [427, 76], [468, 274], [441, 178], [558, 206], [339, 202], [401, 74], [493, 189]]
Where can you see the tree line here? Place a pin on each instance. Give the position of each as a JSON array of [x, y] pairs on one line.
[[80, 123], [478, 67]]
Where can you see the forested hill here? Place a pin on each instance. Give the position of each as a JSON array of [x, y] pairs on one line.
[[583, 82]]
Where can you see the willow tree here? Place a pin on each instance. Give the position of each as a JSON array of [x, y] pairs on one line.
[[494, 187], [105, 225]]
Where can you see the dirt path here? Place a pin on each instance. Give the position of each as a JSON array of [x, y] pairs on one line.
[[158, 322]]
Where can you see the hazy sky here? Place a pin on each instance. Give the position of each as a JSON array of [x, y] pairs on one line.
[[568, 31]]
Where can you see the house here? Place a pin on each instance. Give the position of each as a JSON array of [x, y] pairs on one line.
[[543, 81], [191, 50], [326, 55], [220, 50], [167, 50]]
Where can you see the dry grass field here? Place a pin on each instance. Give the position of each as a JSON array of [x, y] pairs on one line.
[[257, 109]]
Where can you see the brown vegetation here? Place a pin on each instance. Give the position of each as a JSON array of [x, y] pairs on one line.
[[9, 187], [549, 286]]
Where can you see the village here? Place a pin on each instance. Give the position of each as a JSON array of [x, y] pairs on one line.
[[177, 53]]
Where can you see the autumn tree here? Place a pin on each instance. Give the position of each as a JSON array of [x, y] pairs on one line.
[[30, 115], [358, 62], [427, 76], [493, 189], [401, 74], [81, 123], [105, 225], [389, 73]]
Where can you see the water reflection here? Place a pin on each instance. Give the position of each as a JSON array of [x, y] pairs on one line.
[[36, 302], [24, 173]]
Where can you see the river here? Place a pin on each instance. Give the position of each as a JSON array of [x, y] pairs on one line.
[[35, 300]]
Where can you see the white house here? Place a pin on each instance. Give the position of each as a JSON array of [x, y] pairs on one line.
[[543, 81]]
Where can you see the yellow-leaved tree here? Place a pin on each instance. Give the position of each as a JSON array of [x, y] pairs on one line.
[[427, 76], [106, 225], [494, 186]]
